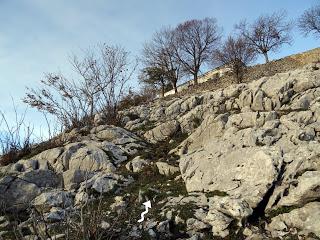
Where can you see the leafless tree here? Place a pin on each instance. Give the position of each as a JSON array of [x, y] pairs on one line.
[[309, 22], [159, 54], [102, 75], [236, 54], [267, 33], [195, 41]]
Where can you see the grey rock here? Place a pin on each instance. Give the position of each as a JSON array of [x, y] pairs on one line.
[[56, 214], [163, 131], [195, 225], [73, 177], [55, 198], [17, 192], [306, 219], [137, 164]]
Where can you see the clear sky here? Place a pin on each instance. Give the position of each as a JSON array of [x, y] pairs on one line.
[[37, 36]]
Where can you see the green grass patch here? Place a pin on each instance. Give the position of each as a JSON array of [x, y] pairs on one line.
[[216, 193], [284, 209]]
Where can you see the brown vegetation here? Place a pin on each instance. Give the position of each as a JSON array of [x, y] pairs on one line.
[[103, 76]]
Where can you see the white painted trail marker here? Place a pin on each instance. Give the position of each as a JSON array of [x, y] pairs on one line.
[[147, 205]]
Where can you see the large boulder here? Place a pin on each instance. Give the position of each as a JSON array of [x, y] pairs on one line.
[[167, 169], [247, 173], [103, 182], [300, 181], [17, 191], [163, 131], [73, 177], [56, 198], [224, 210]]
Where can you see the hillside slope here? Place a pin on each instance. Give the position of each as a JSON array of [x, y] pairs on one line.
[[242, 162], [210, 80]]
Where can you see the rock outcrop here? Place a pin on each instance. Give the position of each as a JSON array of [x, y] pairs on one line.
[[233, 157], [100, 152], [256, 142]]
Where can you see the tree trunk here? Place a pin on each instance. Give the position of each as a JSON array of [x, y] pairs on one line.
[[162, 91], [195, 79], [265, 54], [237, 73], [91, 108], [174, 85]]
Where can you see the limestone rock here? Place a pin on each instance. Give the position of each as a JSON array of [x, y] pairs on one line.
[[55, 198], [114, 134], [195, 225], [56, 214], [163, 131], [219, 223], [167, 169], [102, 182], [73, 177], [137, 164], [90, 158], [247, 173], [306, 219], [305, 190], [17, 192]]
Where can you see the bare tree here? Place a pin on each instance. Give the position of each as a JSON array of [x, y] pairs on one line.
[[101, 80], [195, 41], [159, 54], [309, 22], [236, 54], [267, 33]]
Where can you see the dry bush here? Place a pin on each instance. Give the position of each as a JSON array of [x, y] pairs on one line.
[[145, 95], [15, 137], [19, 141], [102, 75]]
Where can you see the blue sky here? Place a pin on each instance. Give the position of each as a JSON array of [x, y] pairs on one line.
[[37, 36]]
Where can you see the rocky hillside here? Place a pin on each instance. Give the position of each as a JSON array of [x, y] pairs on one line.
[[255, 72], [241, 162]]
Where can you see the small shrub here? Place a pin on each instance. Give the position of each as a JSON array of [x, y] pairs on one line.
[[136, 98], [133, 116], [196, 122], [15, 139]]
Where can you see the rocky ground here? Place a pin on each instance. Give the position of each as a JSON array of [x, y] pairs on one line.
[[241, 162]]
